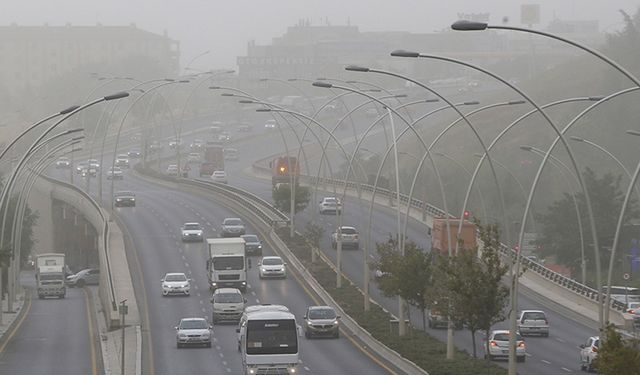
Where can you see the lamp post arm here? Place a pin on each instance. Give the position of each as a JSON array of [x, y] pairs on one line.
[[592, 51]]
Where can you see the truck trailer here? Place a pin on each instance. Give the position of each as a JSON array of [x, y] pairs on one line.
[[50, 276], [226, 266]]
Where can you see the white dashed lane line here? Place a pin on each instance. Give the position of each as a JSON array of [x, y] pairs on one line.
[[545, 361], [566, 369]]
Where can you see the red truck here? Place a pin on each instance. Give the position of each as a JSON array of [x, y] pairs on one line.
[[440, 241], [213, 159]]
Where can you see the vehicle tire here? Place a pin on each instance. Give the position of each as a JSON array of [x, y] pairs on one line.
[[545, 334], [40, 296], [521, 359], [337, 334], [307, 334], [334, 245], [430, 323], [63, 296], [209, 344], [80, 283]]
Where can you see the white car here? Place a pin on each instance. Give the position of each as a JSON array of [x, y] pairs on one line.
[[270, 124], [175, 143], [90, 276], [228, 305], [63, 162], [533, 322], [589, 352], [349, 236], [499, 346], [219, 177], [272, 266], [192, 232], [193, 331], [122, 161], [115, 173], [330, 205], [176, 283]]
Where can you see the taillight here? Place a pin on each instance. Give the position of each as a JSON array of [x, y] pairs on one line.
[[355, 236], [521, 344], [546, 322], [594, 349], [493, 343]]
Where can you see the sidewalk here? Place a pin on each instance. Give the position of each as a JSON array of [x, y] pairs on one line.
[[10, 318]]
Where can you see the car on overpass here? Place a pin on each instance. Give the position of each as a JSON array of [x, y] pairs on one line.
[[63, 162], [115, 173]]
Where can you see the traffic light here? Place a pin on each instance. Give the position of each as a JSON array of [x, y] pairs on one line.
[[467, 214]]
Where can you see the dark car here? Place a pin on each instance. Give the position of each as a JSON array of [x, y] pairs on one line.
[[252, 244], [124, 199], [135, 153]]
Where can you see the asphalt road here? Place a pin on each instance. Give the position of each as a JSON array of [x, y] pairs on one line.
[[56, 336]]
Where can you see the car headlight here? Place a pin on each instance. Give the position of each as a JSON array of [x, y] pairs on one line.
[[335, 322], [292, 370], [259, 246], [182, 335], [206, 334]]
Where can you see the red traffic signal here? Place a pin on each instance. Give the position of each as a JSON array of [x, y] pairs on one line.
[[467, 214]]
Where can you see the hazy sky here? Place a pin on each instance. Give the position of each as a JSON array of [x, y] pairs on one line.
[[225, 27]]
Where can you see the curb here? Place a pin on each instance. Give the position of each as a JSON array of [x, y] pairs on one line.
[[14, 325]]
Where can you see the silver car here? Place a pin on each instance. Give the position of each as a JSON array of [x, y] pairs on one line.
[[228, 305], [533, 322], [232, 227], [193, 331], [321, 321]]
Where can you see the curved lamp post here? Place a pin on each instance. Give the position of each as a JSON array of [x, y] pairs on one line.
[[516, 271], [559, 164]]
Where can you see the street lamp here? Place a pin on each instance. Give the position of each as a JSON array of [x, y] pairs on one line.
[[514, 287], [558, 164]]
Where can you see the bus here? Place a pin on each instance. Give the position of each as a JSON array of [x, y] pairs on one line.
[[269, 343], [623, 294], [283, 168]]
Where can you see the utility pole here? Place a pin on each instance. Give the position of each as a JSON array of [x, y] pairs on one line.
[[124, 309]]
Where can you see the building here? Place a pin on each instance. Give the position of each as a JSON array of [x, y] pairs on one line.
[[35, 55]]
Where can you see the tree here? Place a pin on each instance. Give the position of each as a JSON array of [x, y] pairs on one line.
[[312, 235], [617, 356], [405, 275], [469, 288], [559, 233], [281, 194]]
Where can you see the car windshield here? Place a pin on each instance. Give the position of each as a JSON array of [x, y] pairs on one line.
[[272, 261], [179, 277], [251, 238], [192, 227], [505, 337], [331, 200], [124, 194], [233, 222], [227, 298], [194, 324], [218, 174], [349, 231], [534, 316], [322, 314]]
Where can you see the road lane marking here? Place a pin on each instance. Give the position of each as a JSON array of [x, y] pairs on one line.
[[545, 361], [566, 369], [18, 324]]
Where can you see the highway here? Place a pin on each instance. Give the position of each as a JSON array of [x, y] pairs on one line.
[[153, 227]]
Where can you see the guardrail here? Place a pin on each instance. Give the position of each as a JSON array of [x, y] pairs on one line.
[[105, 233], [436, 212]]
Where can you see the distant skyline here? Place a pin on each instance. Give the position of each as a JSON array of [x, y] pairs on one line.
[[225, 28]]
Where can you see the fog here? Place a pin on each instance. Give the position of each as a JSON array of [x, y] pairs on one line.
[[224, 28]]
